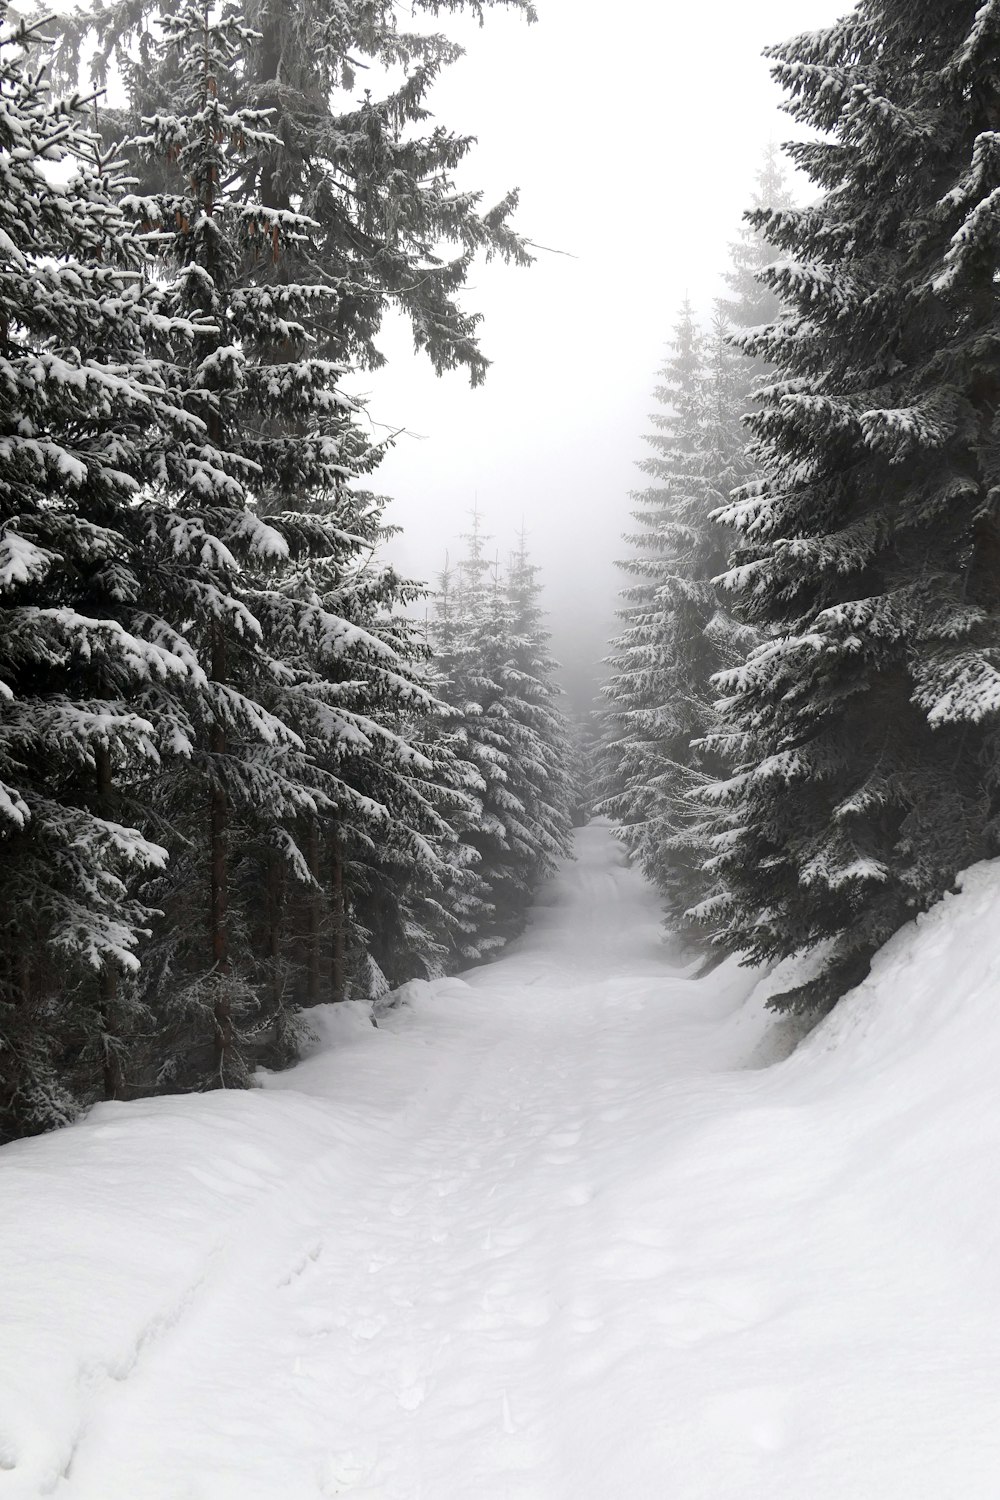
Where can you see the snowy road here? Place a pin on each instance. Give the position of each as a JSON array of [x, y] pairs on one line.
[[543, 1235]]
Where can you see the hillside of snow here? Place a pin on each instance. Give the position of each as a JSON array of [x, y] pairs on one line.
[[561, 1229]]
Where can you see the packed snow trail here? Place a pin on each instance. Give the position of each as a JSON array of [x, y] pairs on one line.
[[551, 1232]]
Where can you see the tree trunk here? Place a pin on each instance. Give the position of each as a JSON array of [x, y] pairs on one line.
[[110, 1060], [275, 20], [338, 957], [984, 567], [219, 870], [315, 916], [275, 912]]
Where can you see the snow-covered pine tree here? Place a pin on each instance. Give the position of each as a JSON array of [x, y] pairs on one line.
[[656, 758], [468, 905], [457, 640], [375, 730], [661, 662], [328, 824], [529, 677], [490, 646], [863, 728], [84, 406], [276, 426], [750, 300], [378, 184]]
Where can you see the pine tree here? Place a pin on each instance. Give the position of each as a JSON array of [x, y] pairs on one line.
[[751, 300], [490, 646], [266, 409], [376, 182], [527, 676], [317, 800], [662, 660], [863, 727], [377, 731], [87, 411], [220, 743], [658, 753]]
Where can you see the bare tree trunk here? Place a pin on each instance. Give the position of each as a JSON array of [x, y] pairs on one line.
[[110, 1061]]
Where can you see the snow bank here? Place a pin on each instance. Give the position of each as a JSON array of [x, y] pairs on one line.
[[542, 1234]]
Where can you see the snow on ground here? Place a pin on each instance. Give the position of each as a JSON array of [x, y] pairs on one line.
[[553, 1231]]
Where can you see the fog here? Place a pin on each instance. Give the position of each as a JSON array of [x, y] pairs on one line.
[[634, 134]]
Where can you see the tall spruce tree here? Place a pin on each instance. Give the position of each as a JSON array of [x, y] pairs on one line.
[[275, 425], [650, 707], [545, 756], [392, 228], [657, 754], [863, 729], [221, 747], [321, 813], [490, 646], [89, 413]]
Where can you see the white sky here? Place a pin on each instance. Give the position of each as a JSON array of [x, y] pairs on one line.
[[634, 133]]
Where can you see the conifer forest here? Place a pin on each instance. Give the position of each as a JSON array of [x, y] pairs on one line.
[[289, 822]]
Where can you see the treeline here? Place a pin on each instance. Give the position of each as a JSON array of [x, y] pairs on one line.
[[805, 695], [232, 784]]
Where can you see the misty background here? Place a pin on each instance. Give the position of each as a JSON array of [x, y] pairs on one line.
[[635, 151]]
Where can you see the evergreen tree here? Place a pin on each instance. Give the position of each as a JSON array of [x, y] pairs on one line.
[[275, 426], [863, 727], [658, 753], [377, 183], [545, 770], [490, 646], [751, 300], [220, 744], [653, 711], [87, 411], [321, 812]]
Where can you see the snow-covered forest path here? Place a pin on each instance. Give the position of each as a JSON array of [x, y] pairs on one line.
[[542, 1235], [447, 1305]]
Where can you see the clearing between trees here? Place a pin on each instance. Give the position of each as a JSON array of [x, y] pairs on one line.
[[566, 1228]]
